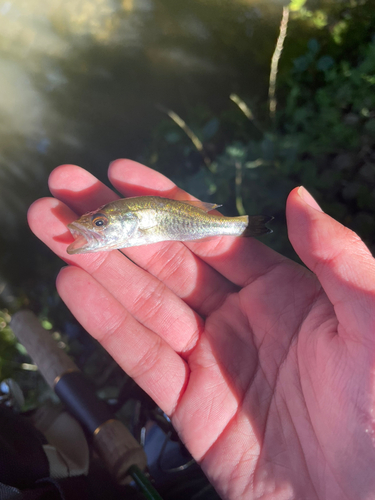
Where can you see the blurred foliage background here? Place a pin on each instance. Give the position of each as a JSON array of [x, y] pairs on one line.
[[188, 88]]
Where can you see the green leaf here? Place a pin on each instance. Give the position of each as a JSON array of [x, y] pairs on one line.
[[296, 5], [313, 45], [47, 324], [325, 63], [172, 137], [210, 129]]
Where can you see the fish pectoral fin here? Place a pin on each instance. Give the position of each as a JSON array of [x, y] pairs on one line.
[[146, 226], [207, 207]]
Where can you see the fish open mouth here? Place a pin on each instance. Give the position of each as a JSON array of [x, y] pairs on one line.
[[83, 240]]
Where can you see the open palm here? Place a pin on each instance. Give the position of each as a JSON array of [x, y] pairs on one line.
[[266, 369]]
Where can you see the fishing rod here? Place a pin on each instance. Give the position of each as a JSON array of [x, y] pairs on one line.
[[120, 451]]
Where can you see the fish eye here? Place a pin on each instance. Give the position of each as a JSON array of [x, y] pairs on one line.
[[99, 220]]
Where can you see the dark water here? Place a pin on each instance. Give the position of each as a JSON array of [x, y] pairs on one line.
[[81, 80]]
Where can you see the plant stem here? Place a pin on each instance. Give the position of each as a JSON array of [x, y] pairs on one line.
[[245, 110], [239, 202], [275, 62], [192, 136]]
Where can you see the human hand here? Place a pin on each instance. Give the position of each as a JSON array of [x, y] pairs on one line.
[[266, 369]]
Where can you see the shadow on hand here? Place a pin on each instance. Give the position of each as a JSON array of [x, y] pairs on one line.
[[86, 200]]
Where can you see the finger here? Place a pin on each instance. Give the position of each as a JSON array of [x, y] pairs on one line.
[[240, 260], [143, 295], [339, 258], [78, 189], [200, 286], [140, 352], [138, 180]]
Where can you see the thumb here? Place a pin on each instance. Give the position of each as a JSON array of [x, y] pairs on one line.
[[338, 257]]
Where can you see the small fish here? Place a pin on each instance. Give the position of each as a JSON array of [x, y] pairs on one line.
[[148, 219]]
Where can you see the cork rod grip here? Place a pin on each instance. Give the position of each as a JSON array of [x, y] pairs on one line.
[[119, 450], [51, 361]]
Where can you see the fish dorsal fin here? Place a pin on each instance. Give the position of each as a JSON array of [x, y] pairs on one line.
[[207, 207]]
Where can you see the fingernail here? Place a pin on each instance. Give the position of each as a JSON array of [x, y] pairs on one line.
[[307, 198]]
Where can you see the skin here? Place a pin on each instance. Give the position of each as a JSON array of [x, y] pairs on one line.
[[265, 367]]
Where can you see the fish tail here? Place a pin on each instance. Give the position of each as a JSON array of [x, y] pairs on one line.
[[256, 225]]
